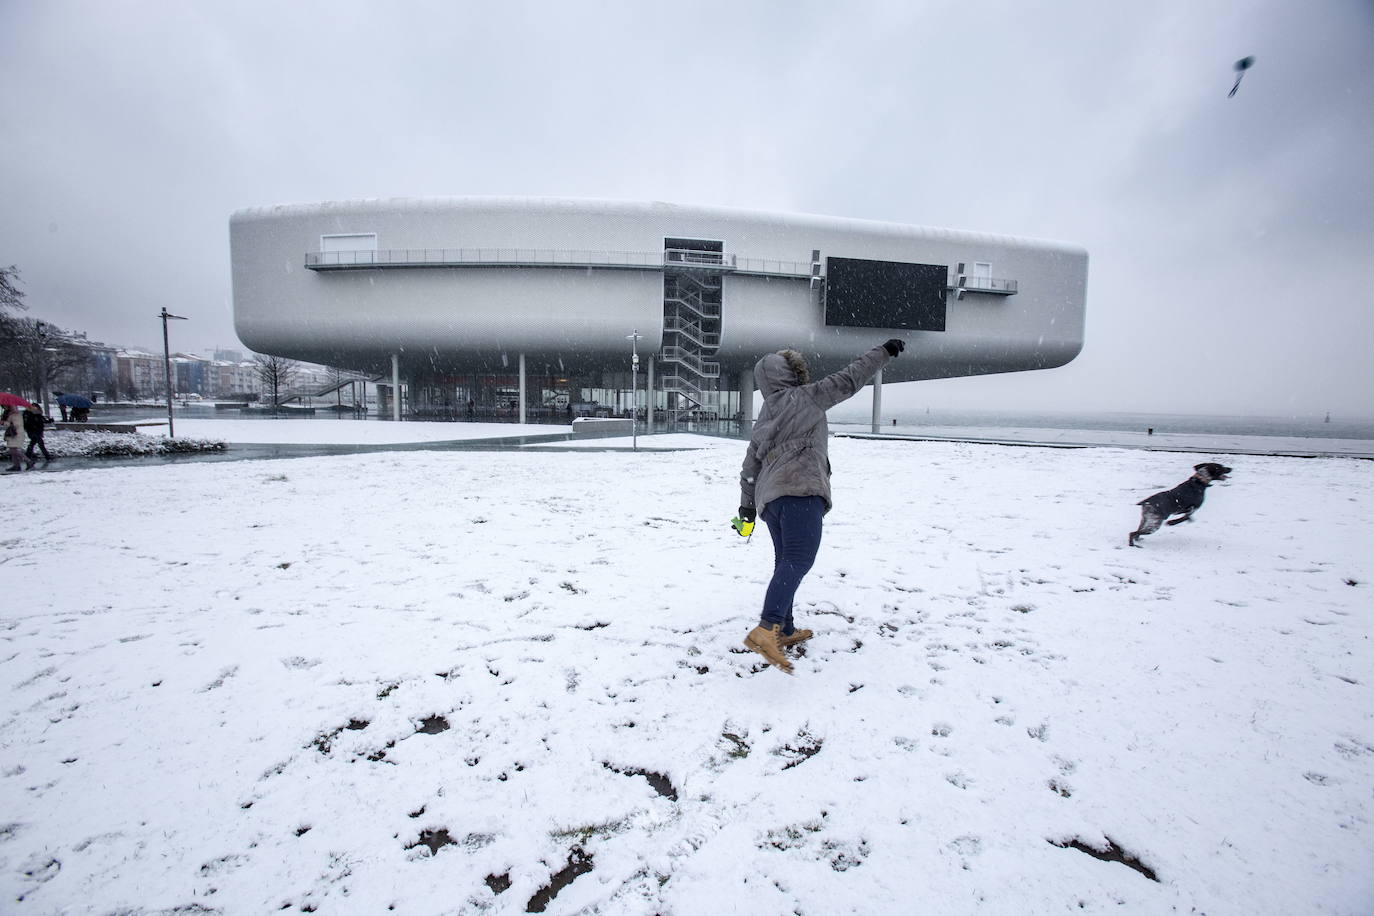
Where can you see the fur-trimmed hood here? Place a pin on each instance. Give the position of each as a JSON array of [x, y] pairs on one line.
[[783, 369]]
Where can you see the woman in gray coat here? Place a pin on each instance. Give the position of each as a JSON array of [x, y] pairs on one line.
[[786, 478]]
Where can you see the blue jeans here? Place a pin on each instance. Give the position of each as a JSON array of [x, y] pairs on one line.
[[795, 525]]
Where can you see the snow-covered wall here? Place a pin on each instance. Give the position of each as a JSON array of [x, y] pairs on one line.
[[476, 317]]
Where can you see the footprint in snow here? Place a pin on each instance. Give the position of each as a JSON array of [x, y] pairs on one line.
[[224, 675]]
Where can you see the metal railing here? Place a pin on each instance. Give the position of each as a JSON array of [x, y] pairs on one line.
[[695, 283], [773, 267], [682, 386], [552, 257], [714, 261], [692, 331], [482, 257], [987, 285], [688, 257], [344, 379], [694, 304], [702, 367]]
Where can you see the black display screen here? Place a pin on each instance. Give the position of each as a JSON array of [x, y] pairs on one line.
[[885, 294]]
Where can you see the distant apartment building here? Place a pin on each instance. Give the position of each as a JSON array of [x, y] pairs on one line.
[[190, 374], [139, 375], [230, 379]]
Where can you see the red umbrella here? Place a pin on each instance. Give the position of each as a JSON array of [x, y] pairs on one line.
[[13, 400]]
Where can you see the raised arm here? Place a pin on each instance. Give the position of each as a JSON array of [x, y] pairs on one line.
[[846, 383]]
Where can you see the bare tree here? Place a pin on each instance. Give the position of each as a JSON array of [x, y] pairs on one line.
[[276, 373], [33, 353], [11, 296], [11, 301], [29, 349]]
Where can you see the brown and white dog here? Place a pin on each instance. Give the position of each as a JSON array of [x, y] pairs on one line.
[[1183, 500]]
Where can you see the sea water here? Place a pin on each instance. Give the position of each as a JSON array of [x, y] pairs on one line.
[[1304, 427]]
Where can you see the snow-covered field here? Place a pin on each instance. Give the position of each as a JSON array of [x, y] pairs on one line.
[[348, 431], [449, 682]]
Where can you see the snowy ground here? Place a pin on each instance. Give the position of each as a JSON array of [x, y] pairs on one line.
[[447, 682], [348, 431]]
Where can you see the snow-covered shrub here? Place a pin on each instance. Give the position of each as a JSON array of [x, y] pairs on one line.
[[71, 444]]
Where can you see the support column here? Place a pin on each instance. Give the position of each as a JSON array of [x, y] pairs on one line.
[[522, 388], [877, 401], [396, 386], [649, 396], [746, 402]]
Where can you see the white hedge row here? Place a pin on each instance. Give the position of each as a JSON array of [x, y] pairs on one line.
[[67, 444]]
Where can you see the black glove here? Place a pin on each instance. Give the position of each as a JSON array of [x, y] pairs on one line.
[[747, 513], [893, 347]]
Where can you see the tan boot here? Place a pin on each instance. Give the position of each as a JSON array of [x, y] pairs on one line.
[[798, 635], [764, 641]]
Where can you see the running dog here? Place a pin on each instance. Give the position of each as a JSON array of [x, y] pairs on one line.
[[1183, 500]]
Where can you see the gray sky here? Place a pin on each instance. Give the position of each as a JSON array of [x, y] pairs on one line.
[[1231, 241]]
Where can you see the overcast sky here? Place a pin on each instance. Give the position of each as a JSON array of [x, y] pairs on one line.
[[1231, 240]]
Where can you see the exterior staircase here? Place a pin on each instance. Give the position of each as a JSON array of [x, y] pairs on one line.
[[692, 281]]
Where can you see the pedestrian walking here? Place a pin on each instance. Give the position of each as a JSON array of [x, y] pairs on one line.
[[786, 478], [14, 437], [34, 422]]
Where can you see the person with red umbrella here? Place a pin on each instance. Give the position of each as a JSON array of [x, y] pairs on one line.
[[14, 436]]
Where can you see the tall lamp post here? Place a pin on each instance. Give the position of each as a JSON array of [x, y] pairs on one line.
[[43, 350], [634, 388], [167, 366]]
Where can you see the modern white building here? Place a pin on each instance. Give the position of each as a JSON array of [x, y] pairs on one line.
[[528, 306]]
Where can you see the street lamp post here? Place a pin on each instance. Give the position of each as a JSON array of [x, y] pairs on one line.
[[634, 388], [43, 366], [167, 366], [43, 357]]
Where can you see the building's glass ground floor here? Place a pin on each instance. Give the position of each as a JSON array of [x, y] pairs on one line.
[[559, 399]]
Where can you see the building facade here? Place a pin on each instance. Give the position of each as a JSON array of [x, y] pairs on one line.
[[525, 307]]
